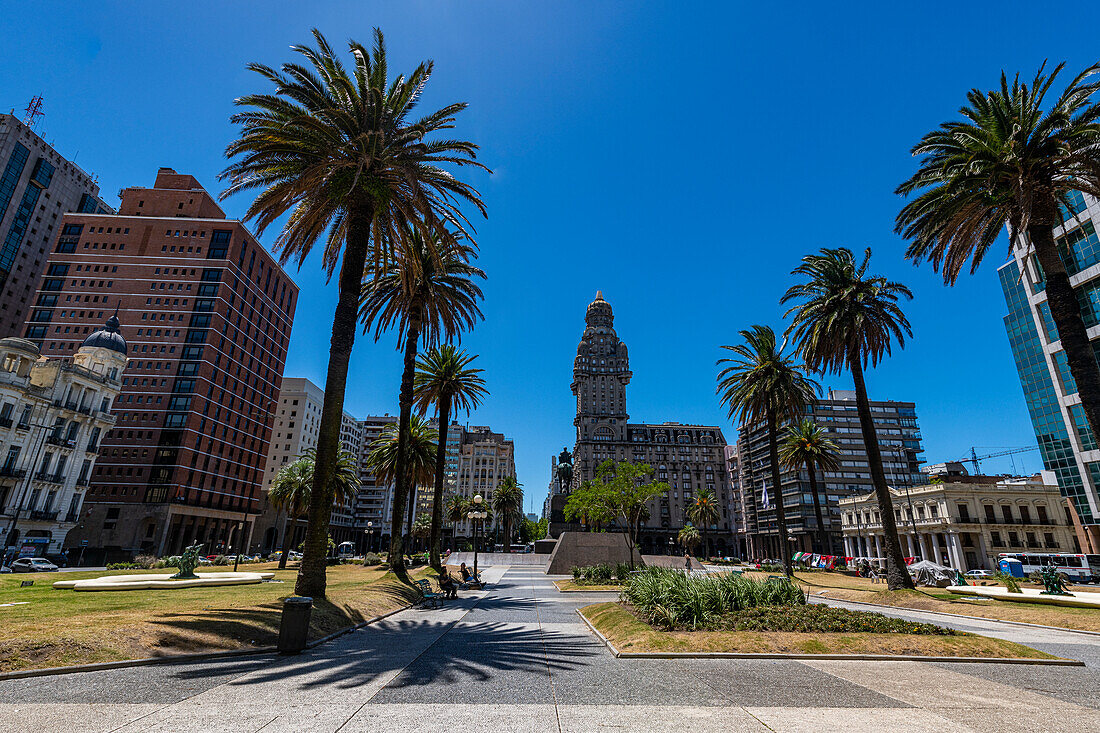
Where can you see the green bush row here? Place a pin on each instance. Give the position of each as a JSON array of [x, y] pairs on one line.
[[671, 598], [602, 574], [818, 618]]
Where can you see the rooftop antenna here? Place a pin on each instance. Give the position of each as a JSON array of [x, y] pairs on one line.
[[33, 111]]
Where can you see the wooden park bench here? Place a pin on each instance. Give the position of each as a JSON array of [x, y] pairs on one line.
[[429, 596]]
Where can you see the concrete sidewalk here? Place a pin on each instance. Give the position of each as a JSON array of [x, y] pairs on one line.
[[514, 657]]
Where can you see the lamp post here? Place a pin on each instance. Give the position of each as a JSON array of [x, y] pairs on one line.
[[238, 535], [912, 523], [476, 515], [369, 531]]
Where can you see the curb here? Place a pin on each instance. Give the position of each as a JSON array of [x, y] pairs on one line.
[[185, 658], [820, 657], [959, 615]]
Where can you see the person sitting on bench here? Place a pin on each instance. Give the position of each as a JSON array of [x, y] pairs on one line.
[[447, 586], [468, 576]]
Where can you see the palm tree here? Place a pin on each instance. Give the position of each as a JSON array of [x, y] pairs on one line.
[[289, 493], [341, 154], [422, 526], [455, 511], [508, 504], [291, 488], [688, 537], [427, 291], [847, 319], [1012, 162], [703, 512], [806, 444], [420, 455], [444, 378], [762, 385]]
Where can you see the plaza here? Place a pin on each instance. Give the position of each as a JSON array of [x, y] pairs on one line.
[[515, 657]]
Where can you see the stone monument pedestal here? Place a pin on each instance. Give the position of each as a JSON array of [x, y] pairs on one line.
[[581, 549]]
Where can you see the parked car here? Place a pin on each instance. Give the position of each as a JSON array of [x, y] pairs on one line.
[[978, 574], [32, 565], [294, 555]]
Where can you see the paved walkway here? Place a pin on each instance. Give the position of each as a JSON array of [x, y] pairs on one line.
[[515, 658]]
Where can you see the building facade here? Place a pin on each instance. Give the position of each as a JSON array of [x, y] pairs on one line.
[[1066, 443], [687, 457], [297, 423], [964, 522], [37, 187], [53, 416], [484, 459], [210, 312], [899, 442]]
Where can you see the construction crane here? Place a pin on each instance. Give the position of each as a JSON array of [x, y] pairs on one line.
[[975, 459]]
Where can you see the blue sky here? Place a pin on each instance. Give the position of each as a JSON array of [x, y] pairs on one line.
[[680, 157]]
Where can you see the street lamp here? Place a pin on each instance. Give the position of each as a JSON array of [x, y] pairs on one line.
[[476, 515], [238, 536], [369, 531]]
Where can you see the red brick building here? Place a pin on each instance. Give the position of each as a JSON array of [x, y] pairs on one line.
[[207, 313]]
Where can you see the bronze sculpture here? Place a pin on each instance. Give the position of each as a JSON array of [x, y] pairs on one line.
[[1054, 581], [565, 470], [189, 560]]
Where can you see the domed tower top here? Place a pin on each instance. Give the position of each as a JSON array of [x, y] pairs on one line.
[[599, 312], [108, 337]]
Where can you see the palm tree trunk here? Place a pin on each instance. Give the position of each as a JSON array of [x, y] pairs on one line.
[[777, 490], [822, 536], [897, 575], [440, 468], [311, 576], [403, 474], [1065, 311]]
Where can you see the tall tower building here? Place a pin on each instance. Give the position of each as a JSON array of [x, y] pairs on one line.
[[601, 372], [1066, 443], [37, 186], [687, 457], [208, 313], [899, 442]]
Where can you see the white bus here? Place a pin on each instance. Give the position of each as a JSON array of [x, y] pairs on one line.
[[345, 551], [1078, 568]]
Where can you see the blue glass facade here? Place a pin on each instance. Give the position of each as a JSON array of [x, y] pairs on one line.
[[40, 179], [1040, 394], [1042, 398]]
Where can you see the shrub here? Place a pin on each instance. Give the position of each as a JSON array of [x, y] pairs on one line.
[[1013, 584], [622, 571], [598, 573], [220, 560], [818, 618], [770, 567], [673, 598], [123, 566], [371, 559], [145, 561]]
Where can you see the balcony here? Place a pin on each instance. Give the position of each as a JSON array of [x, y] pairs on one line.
[[91, 447], [5, 422], [42, 516], [72, 517], [82, 482], [60, 442], [12, 472], [53, 478]]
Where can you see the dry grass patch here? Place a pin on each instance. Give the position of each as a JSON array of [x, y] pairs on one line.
[[629, 633], [568, 586], [935, 599], [62, 627]]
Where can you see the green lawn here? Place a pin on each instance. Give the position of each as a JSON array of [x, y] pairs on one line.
[[62, 627]]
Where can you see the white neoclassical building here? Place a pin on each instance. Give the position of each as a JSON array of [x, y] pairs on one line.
[[53, 413], [963, 522]]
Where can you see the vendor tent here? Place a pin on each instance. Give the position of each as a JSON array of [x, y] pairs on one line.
[[926, 572]]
